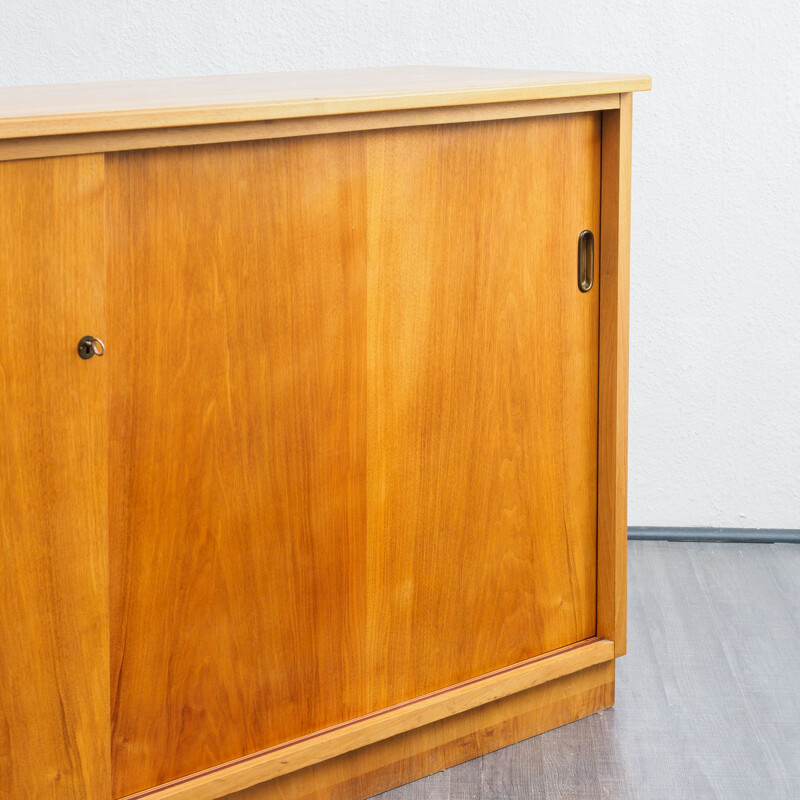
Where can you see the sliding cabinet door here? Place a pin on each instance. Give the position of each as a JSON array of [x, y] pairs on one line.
[[353, 411], [54, 682]]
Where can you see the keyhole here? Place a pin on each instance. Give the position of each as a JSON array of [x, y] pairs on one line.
[[86, 347]]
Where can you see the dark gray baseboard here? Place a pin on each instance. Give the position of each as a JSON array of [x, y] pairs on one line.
[[733, 535]]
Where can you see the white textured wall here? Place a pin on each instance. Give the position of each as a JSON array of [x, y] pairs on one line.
[[715, 323]]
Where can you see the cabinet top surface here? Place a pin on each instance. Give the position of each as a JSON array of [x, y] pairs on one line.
[[128, 105]]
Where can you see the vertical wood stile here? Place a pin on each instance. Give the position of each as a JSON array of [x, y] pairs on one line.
[[614, 280]]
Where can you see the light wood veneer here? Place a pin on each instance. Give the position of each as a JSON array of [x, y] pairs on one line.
[[54, 676], [344, 501], [131, 105]]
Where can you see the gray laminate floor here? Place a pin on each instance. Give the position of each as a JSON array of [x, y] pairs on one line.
[[707, 699]]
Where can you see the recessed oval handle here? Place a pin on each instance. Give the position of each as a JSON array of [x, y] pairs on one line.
[[585, 261]]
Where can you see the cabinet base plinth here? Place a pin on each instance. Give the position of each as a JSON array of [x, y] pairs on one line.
[[423, 751]]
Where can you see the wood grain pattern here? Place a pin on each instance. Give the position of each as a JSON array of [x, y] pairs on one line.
[[54, 684], [614, 285], [482, 388], [407, 757], [130, 105], [110, 141], [271, 574], [386, 724], [237, 533], [352, 395]]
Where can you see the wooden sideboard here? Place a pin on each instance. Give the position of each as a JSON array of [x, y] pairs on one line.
[[313, 409]]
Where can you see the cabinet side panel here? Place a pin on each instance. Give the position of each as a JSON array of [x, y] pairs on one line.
[[482, 390], [54, 683], [236, 295], [614, 285]]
